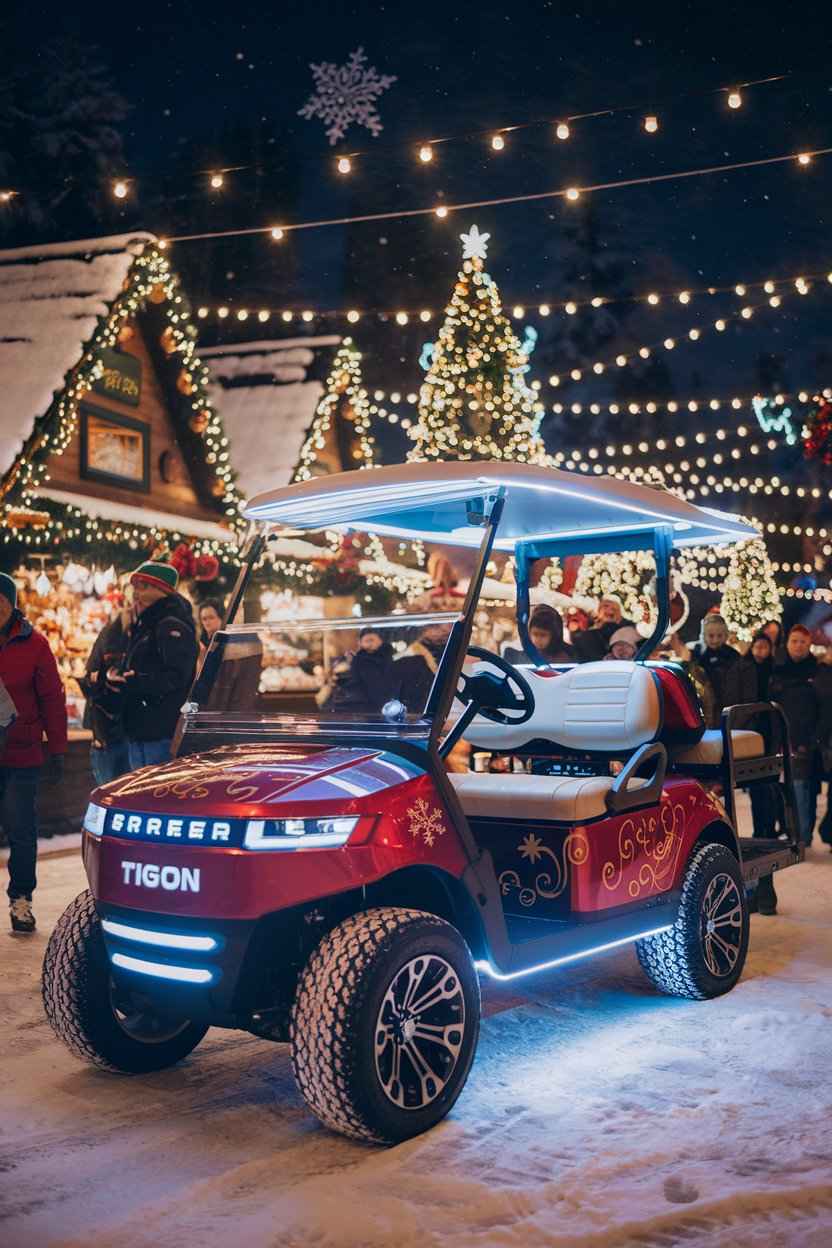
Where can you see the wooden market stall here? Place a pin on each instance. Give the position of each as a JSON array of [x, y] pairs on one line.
[[110, 449]]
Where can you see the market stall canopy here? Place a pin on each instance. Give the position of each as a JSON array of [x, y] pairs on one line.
[[432, 501], [267, 393]]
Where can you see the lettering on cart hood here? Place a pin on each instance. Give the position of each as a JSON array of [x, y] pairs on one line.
[[169, 828], [151, 875]]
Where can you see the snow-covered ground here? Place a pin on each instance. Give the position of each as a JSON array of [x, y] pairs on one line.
[[597, 1113]]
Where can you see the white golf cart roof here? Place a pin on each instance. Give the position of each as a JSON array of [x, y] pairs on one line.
[[431, 501]]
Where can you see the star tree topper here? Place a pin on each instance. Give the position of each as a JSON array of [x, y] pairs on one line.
[[346, 95], [474, 244]]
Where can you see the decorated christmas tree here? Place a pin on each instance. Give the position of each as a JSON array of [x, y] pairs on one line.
[[626, 576], [750, 597], [339, 437], [474, 402]]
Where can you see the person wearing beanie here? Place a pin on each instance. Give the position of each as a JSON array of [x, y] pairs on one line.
[[365, 680], [624, 643], [30, 676], [609, 617], [159, 663]]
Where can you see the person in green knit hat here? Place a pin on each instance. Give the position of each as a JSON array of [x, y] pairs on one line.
[[159, 664]]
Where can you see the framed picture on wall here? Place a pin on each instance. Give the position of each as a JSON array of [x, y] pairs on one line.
[[115, 449]]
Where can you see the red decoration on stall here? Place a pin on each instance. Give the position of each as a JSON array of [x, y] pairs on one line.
[[184, 560], [818, 442], [207, 568]]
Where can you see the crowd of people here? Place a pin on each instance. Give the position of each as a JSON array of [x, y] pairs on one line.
[[144, 661]]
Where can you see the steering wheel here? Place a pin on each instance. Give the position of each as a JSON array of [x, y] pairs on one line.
[[491, 696]]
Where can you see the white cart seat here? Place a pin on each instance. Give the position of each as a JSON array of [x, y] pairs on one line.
[[516, 797], [606, 706], [708, 751]]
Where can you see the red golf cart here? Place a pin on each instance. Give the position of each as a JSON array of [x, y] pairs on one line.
[[320, 876]]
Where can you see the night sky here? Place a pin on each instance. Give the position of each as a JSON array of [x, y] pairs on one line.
[[197, 74]]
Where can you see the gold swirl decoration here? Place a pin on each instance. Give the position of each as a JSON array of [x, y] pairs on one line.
[[654, 844], [548, 884]]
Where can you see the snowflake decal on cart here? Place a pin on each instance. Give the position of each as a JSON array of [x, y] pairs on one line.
[[346, 95], [426, 822]]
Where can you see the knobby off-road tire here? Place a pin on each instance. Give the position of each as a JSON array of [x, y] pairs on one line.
[[703, 953], [369, 1063], [84, 1013]]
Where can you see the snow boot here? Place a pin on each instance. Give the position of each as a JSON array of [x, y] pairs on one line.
[[20, 913]]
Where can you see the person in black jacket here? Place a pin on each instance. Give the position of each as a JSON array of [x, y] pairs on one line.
[[158, 666], [367, 680], [416, 670], [792, 684], [730, 681], [103, 713], [757, 667], [546, 635], [593, 643]]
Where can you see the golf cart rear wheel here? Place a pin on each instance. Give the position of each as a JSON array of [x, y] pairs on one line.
[[703, 954], [385, 1024], [95, 1021]]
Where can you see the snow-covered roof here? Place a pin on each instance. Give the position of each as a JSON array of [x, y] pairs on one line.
[[267, 400], [50, 298]]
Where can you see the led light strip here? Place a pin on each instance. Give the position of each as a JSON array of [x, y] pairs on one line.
[[163, 970], [489, 970], [169, 940]]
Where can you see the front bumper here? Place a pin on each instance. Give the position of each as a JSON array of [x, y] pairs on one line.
[[205, 970]]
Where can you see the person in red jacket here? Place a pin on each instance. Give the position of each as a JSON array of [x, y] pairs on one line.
[[30, 675]]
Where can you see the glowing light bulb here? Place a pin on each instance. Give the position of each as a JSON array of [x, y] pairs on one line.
[[719, 325], [597, 302], [669, 344], [651, 124], [426, 153], [644, 352], [570, 308], [202, 313], [242, 315], [804, 158], [287, 316], [653, 299], [222, 313], [693, 334], [5, 196], [747, 313], [734, 99], [441, 211], [353, 316], [554, 380], [518, 311], [498, 142], [575, 374], [739, 290], [401, 318], [263, 315], [775, 301], [120, 189], [621, 360], [344, 164], [217, 181], [562, 130], [598, 367], [276, 233], [425, 315], [573, 193], [684, 296], [544, 309], [768, 287], [307, 316]]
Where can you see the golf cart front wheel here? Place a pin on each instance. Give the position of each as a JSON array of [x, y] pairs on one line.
[[703, 954], [385, 1024], [86, 1011]]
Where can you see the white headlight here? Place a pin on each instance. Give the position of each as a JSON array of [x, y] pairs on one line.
[[290, 834], [94, 819]]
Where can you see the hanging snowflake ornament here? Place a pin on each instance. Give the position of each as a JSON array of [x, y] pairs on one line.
[[474, 244], [346, 95]]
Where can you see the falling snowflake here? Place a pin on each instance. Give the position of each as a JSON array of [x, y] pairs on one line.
[[474, 244], [426, 823], [345, 95]]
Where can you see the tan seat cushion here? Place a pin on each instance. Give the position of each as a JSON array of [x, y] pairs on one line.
[[708, 751], [561, 799]]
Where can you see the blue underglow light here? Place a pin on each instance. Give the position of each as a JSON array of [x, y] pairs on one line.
[[488, 969], [162, 970], [168, 940]]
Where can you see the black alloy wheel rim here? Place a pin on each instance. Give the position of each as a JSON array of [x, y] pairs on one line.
[[721, 925], [419, 1032], [141, 1023]]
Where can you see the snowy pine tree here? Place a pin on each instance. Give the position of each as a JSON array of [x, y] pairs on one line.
[[751, 596]]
